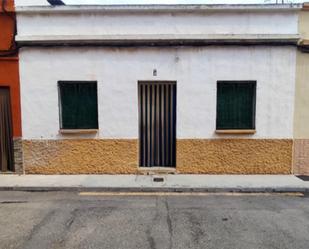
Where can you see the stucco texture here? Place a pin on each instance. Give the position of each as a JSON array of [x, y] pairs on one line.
[[194, 156], [234, 156], [84, 156], [196, 70]]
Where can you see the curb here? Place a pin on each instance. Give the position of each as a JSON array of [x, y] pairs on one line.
[[159, 189]]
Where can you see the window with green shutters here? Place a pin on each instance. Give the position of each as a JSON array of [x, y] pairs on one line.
[[236, 105], [78, 104]]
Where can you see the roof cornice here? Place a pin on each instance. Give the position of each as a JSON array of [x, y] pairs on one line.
[[158, 40], [158, 8]]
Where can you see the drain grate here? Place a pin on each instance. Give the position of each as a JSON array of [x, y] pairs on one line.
[[158, 179], [304, 178], [12, 202]]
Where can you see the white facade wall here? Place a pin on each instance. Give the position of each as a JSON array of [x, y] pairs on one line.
[[196, 71], [148, 23]]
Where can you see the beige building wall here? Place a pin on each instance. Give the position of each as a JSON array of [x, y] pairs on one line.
[[301, 113]]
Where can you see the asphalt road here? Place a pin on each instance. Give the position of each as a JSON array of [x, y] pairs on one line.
[[69, 220]]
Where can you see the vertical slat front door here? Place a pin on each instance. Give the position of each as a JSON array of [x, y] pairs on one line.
[[157, 123], [6, 132]]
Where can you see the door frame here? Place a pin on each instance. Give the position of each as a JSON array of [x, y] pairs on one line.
[[139, 123]]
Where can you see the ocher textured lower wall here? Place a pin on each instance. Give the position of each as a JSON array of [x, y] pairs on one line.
[[84, 156], [301, 157], [218, 156], [234, 156]]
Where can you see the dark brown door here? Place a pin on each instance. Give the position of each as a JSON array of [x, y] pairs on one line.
[[157, 124], [6, 133]]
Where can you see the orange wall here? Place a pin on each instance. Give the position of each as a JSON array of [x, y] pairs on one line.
[[9, 74], [6, 25]]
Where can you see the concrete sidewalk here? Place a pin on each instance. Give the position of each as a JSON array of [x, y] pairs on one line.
[[181, 183]]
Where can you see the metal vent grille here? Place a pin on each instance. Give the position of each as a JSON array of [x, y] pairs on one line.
[[157, 123]]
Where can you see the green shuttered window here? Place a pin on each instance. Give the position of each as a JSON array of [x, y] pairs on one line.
[[236, 105], [78, 105]]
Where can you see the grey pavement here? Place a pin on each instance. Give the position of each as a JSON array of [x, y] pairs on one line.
[[237, 183], [56, 220]]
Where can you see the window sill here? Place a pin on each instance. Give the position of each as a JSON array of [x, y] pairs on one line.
[[78, 131], [249, 131]]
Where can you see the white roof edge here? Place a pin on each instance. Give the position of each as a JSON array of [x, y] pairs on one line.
[[156, 36], [158, 8]]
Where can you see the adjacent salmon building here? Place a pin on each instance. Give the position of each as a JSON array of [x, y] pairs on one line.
[[188, 89], [301, 111], [10, 117]]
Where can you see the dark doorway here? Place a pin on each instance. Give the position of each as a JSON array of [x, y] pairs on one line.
[[157, 124], [6, 133]]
